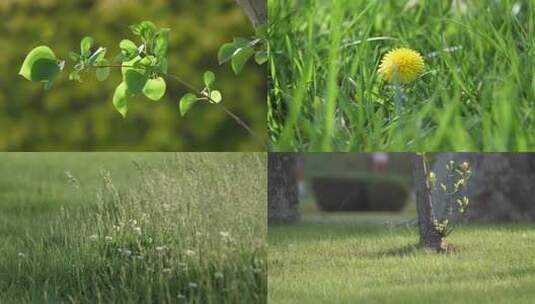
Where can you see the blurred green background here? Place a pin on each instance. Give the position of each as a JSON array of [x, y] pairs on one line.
[[81, 117]]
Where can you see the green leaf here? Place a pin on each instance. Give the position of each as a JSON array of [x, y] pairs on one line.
[[102, 73], [134, 78], [240, 58], [155, 88], [85, 46], [40, 65], [225, 52], [216, 96], [135, 81], [120, 101], [261, 57], [261, 32], [186, 102], [97, 56], [128, 49], [240, 42], [209, 78], [146, 30], [162, 65], [128, 65], [146, 61], [161, 42]]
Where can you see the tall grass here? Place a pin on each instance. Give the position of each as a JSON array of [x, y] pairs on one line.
[[191, 231], [478, 91]]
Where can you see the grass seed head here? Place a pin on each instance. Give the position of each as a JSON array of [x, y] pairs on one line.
[[407, 63]]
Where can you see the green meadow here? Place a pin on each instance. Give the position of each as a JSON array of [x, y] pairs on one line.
[[132, 228], [477, 91], [372, 263]]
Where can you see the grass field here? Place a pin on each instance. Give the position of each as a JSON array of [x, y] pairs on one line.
[[132, 228], [310, 263], [477, 91]]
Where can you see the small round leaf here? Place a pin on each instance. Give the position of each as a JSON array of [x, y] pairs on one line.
[[216, 96], [209, 78], [85, 46], [155, 88], [128, 48]]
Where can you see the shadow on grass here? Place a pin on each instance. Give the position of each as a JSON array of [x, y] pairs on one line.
[[417, 249]]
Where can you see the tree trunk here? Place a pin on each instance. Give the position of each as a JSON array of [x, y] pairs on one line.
[[424, 206], [256, 10], [282, 188], [500, 190]]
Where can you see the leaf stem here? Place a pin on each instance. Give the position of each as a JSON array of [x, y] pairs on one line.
[[227, 111]]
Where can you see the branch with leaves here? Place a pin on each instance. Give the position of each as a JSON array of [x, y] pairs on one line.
[[143, 67]]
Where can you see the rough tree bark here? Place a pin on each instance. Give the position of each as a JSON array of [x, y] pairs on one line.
[[256, 10], [282, 188], [424, 206], [500, 190]]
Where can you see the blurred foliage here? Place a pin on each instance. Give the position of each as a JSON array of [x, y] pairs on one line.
[[81, 116], [347, 164]]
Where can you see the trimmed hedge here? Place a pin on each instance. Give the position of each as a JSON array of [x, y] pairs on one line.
[[360, 193]]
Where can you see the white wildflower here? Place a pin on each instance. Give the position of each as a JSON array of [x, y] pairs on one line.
[[108, 238], [21, 255], [160, 248], [93, 237], [218, 275], [125, 251], [189, 252], [192, 285], [137, 230], [517, 7]]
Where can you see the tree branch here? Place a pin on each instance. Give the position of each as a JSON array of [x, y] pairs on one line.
[[256, 10], [197, 93]]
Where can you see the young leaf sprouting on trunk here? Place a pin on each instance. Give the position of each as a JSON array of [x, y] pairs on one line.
[[428, 236]]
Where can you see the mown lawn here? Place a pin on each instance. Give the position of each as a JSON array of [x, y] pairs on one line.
[[311, 263], [133, 228], [477, 91]]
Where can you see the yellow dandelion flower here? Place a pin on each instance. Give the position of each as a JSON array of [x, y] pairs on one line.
[[407, 63]]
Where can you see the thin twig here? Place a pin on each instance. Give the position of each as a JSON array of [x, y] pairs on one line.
[[225, 109]]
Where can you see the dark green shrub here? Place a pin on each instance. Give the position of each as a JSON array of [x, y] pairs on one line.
[[386, 195], [367, 192]]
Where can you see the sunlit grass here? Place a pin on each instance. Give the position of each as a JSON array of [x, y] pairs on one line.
[[476, 93], [311, 263]]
